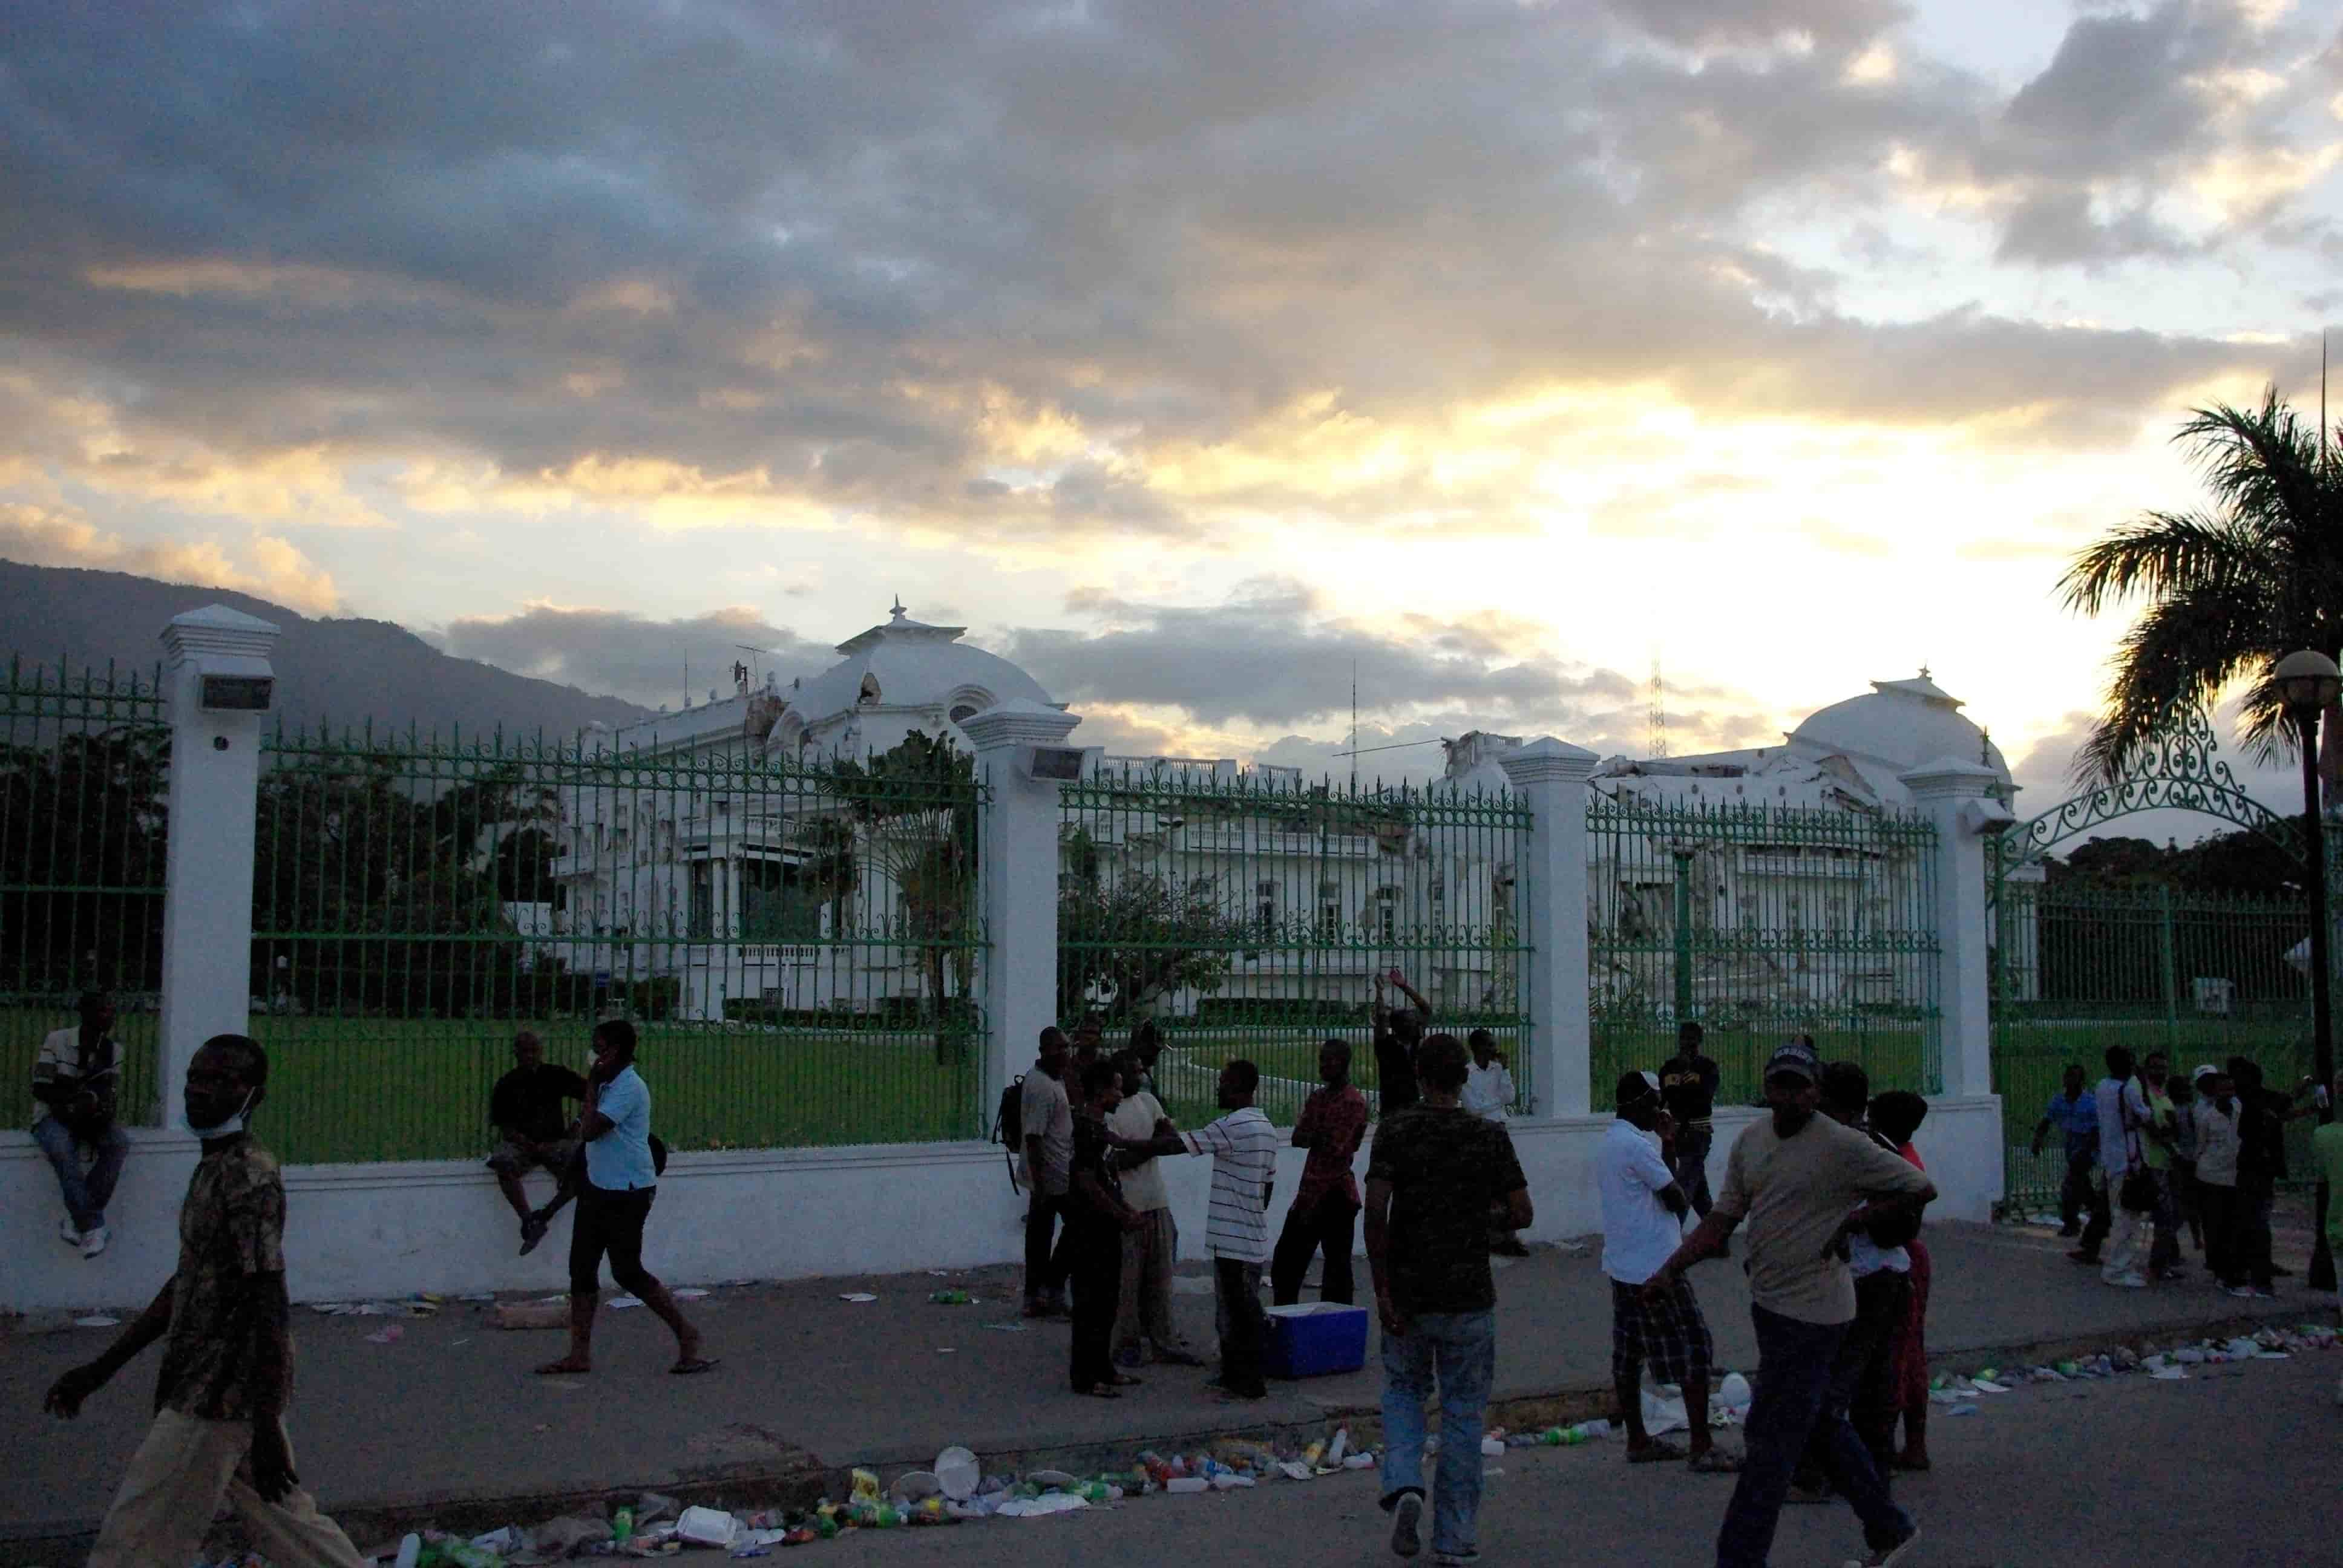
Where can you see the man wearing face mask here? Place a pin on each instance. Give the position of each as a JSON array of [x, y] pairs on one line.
[[220, 1422], [1805, 1184]]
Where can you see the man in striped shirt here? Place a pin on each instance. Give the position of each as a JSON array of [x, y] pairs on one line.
[[1243, 1147]]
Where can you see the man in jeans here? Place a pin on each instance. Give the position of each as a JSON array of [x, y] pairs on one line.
[[1688, 1082], [1803, 1183], [1047, 1117], [75, 1079], [2074, 1111], [1333, 1123], [1151, 1250], [1435, 1172], [2122, 1118]]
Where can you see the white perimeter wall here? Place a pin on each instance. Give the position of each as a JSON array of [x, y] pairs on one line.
[[384, 1231]]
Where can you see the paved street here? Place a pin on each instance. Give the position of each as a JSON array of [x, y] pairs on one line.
[[2233, 1469], [446, 1423]]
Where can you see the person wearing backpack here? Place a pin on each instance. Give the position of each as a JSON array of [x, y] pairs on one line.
[[2123, 1166], [1045, 1129]]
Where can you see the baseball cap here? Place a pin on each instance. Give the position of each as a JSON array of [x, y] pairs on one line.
[[1796, 1059], [2204, 1070]]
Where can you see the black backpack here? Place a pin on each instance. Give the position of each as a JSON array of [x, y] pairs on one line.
[[1009, 1125]]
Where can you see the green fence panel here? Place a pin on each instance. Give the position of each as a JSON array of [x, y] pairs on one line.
[[85, 776], [1249, 914], [2197, 977], [796, 944], [1761, 922]]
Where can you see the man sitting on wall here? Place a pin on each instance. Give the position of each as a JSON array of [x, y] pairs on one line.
[[533, 1129], [75, 1079]]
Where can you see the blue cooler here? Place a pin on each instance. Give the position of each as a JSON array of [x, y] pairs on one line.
[[1313, 1339]]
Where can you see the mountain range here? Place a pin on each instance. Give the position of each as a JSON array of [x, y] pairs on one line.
[[331, 672]]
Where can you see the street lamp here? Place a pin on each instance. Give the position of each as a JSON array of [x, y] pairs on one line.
[[2308, 684]]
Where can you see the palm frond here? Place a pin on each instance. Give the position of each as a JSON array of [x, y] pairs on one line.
[[2184, 651], [2264, 463], [2164, 553]]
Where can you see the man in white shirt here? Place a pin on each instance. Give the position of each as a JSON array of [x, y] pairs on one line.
[[1643, 1222], [1488, 1093], [1152, 1252], [2123, 1117], [1243, 1147], [1046, 1117]]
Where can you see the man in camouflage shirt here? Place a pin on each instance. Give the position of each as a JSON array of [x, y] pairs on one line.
[[219, 1427], [1434, 1176]]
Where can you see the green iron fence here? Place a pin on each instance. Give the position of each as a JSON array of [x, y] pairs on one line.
[[798, 944], [1249, 914], [2199, 977], [84, 774], [1760, 922]]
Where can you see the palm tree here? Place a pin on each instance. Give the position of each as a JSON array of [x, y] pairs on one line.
[[2230, 589]]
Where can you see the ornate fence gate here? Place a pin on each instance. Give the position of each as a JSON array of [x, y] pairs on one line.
[[2078, 968], [1760, 922], [796, 944], [84, 776], [1250, 914]]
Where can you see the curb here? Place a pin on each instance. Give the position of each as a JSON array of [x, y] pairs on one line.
[[799, 1486]]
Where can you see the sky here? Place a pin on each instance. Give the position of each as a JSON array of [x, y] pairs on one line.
[[1194, 355]]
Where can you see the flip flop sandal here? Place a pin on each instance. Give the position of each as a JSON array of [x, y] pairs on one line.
[[560, 1369], [1655, 1452], [1125, 1381], [693, 1367], [1716, 1463], [1100, 1390]]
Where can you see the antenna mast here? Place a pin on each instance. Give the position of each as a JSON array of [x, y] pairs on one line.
[[1354, 727], [1656, 734]]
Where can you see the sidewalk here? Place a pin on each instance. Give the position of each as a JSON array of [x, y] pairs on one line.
[[448, 1420]]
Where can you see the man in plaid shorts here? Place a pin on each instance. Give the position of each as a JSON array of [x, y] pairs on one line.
[[1643, 1222]]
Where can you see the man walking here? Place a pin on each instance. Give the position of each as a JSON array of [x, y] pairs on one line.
[[1801, 1182], [1151, 1249], [1435, 1174], [1243, 1147], [1332, 1122], [2074, 1111], [219, 1421], [1644, 1207], [528, 1110], [1688, 1082], [613, 1201], [1047, 1118], [2122, 1115], [75, 1079]]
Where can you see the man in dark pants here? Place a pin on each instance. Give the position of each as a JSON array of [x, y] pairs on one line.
[[1047, 1118], [1801, 1182], [1688, 1082], [1243, 1147], [1326, 1204], [613, 1201], [2074, 1111], [532, 1125], [1398, 1031], [1096, 1220], [1863, 1387]]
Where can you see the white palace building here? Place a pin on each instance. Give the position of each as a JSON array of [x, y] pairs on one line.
[[717, 886]]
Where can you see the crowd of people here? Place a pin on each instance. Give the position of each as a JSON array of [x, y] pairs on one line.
[[1825, 1191], [2150, 1155]]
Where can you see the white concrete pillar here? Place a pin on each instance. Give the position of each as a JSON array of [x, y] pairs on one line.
[[1017, 859], [214, 804], [1956, 797], [1549, 777]]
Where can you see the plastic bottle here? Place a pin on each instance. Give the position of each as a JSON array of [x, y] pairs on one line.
[[622, 1525], [410, 1552], [1571, 1437], [949, 1298], [1335, 1450]]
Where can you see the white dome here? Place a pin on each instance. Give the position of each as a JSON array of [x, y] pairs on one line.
[[904, 663], [1900, 723]]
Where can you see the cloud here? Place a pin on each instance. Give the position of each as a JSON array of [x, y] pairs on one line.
[[640, 658], [1014, 273], [270, 567]]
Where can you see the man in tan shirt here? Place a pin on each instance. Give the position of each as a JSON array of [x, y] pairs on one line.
[[1803, 1185]]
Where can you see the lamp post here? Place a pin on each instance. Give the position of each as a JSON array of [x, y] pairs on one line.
[[1682, 851], [2308, 684]]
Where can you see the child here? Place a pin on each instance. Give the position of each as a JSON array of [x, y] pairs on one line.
[[1896, 1116]]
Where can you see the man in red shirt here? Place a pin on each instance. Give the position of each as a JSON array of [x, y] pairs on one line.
[[1326, 1204]]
